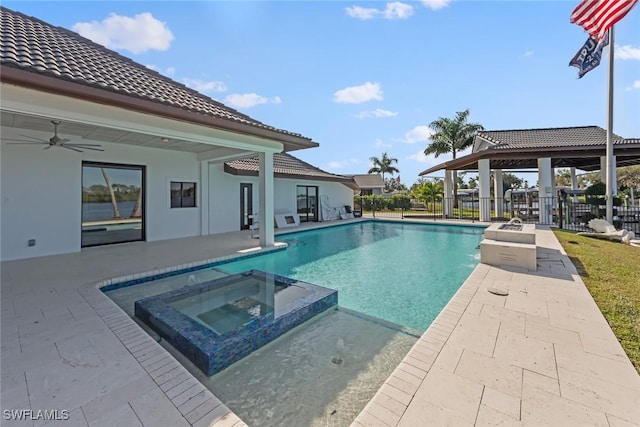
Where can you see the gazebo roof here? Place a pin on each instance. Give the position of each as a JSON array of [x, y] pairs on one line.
[[580, 147]]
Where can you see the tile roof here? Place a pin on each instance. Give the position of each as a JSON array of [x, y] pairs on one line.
[[368, 180], [284, 165], [580, 136], [29, 44]]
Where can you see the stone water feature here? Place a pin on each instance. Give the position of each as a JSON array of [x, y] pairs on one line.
[[509, 244]]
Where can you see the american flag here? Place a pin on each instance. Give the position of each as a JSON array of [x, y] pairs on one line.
[[597, 16]]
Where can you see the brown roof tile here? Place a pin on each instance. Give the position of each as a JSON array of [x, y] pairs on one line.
[[548, 138], [285, 165], [368, 180], [32, 45]]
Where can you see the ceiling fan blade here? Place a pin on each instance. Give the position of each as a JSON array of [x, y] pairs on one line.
[[37, 139], [83, 148], [19, 142], [71, 148], [80, 144]]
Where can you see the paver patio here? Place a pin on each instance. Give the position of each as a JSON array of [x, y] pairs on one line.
[[543, 355]]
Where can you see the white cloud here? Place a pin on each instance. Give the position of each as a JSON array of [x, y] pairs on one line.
[[170, 71], [528, 53], [627, 52], [428, 161], [358, 94], [245, 100], [380, 144], [377, 113], [363, 13], [397, 10], [392, 10], [635, 85], [248, 100], [139, 34], [341, 164], [417, 134], [436, 4], [205, 86]]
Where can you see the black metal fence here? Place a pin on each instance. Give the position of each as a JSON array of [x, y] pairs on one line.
[[567, 214]]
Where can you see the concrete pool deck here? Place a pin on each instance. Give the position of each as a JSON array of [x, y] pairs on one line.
[[543, 355]]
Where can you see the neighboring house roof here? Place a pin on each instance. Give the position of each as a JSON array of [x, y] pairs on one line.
[[368, 180], [286, 166], [580, 147], [38, 55]]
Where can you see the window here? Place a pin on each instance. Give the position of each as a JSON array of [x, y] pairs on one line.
[[113, 203], [183, 194]]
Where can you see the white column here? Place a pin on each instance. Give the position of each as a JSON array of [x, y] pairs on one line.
[[603, 169], [497, 192], [266, 200], [574, 183], [447, 203], [204, 198], [545, 191], [484, 187]]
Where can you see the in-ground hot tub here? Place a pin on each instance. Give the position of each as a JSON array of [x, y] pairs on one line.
[[509, 244], [221, 321]]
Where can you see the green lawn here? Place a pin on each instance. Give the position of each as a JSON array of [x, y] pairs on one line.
[[611, 272]]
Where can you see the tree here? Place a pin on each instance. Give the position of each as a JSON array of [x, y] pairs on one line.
[[563, 178], [383, 165], [393, 184], [452, 136], [137, 209], [114, 203], [429, 191], [629, 177]]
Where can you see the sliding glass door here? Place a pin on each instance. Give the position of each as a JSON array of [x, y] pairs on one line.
[[112, 203], [307, 202]]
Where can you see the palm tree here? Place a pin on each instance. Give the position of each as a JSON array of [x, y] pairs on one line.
[[383, 165], [452, 136], [114, 203]]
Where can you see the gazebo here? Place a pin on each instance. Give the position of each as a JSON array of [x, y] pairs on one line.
[[581, 148]]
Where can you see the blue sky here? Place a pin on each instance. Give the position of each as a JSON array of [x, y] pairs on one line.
[[363, 78]]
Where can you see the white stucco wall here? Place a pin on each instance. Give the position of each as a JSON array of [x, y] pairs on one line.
[[41, 194], [224, 201]]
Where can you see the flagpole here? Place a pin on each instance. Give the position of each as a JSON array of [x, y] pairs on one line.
[[609, 150]]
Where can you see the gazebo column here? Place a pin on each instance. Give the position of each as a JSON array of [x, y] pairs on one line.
[[497, 192], [574, 183], [545, 191], [447, 203], [266, 200], [484, 187]]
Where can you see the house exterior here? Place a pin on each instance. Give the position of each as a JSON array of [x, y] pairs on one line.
[[76, 117], [369, 184]]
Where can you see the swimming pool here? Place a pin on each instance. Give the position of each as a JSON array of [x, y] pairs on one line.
[[401, 272]]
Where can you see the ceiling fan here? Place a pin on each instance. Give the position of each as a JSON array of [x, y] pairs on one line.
[[56, 141]]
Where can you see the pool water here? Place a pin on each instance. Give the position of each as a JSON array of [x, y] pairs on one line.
[[401, 272]]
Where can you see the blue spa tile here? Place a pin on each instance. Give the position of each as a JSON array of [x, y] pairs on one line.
[[212, 352]]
